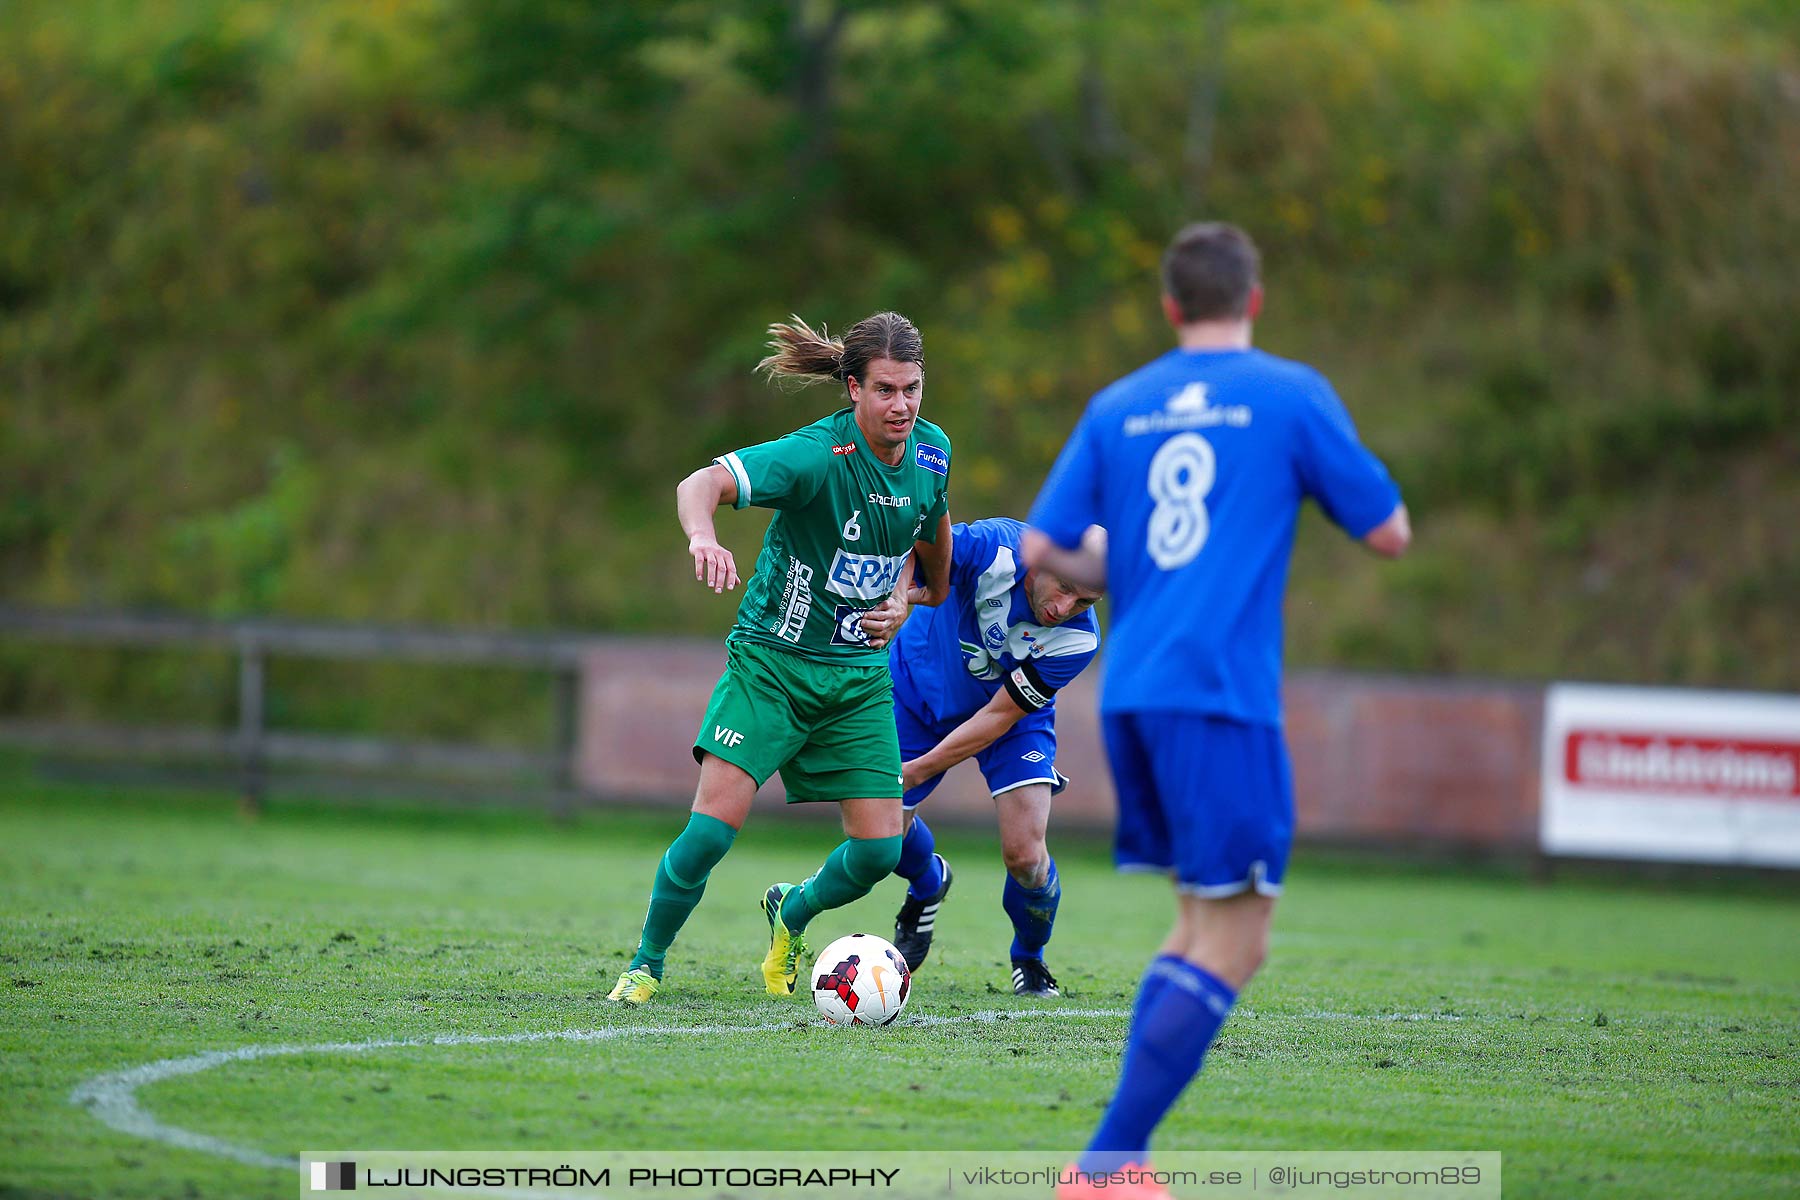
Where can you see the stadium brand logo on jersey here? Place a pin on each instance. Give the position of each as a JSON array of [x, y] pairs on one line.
[[863, 576], [994, 602], [729, 737], [1187, 409], [850, 449], [846, 626], [890, 501], [933, 458]]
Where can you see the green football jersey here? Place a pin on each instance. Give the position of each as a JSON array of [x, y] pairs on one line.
[[844, 524]]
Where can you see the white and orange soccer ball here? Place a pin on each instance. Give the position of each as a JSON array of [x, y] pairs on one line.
[[861, 980]]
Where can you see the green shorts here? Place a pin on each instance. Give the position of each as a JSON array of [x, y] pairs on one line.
[[828, 730]]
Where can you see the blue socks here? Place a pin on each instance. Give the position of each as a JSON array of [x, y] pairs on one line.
[[1033, 913], [1178, 1013], [1032, 910], [918, 861]]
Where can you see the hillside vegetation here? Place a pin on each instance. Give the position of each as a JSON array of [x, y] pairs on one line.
[[417, 311]]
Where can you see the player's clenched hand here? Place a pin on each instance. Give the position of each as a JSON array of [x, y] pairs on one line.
[[713, 564], [883, 621]]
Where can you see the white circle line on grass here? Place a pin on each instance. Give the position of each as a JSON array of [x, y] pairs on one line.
[[1314, 1014], [111, 1098]]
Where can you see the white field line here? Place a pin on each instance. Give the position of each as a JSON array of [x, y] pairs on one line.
[[111, 1098], [1314, 1014]]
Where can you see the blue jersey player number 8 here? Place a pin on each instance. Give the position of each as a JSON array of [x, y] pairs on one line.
[[1196, 465], [1180, 476]]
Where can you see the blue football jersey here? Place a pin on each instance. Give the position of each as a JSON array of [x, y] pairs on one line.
[[1197, 464], [949, 661]]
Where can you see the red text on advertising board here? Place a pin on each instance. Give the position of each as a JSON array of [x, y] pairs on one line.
[[1620, 761]]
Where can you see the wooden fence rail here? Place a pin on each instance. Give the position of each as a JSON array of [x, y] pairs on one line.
[[253, 747]]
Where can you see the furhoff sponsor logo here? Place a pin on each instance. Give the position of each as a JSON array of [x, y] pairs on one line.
[[334, 1177], [932, 458], [1667, 762]]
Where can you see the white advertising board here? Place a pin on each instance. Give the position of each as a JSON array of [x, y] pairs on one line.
[[1667, 773]]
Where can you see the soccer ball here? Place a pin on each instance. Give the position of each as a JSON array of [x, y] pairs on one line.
[[861, 980]]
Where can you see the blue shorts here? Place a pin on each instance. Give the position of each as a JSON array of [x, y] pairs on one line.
[[1206, 799], [1024, 754]]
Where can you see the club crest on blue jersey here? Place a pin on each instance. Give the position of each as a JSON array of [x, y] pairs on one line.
[[933, 458]]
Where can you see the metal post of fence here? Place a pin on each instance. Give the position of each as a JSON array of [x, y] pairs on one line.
[[568, 708], [250, 722]]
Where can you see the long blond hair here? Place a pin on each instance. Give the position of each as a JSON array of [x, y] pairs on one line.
[[803, 355]]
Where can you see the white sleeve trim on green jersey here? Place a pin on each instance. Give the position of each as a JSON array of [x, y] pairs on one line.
[[731, 462]]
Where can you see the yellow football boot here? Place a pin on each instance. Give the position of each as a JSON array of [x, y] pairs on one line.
[[634, 987], [781, 965]]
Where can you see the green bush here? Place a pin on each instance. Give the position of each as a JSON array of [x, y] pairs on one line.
[[417, 312]]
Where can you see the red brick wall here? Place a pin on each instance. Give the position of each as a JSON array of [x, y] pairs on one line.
[[1435, 761], [1376, 759]]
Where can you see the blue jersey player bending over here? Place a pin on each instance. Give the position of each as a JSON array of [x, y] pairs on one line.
[[1197, 464], [977, 677]]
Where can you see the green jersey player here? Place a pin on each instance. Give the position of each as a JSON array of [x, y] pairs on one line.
[[861, 502]]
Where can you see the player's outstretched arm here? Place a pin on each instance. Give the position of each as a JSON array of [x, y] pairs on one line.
[[696, 499], [1391, 538], [970, 738]]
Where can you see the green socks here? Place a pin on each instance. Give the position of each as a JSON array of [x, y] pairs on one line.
[[850, 873], [680, 882]]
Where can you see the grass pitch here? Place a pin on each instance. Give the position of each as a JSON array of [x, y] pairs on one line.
[[1611, 1040]]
